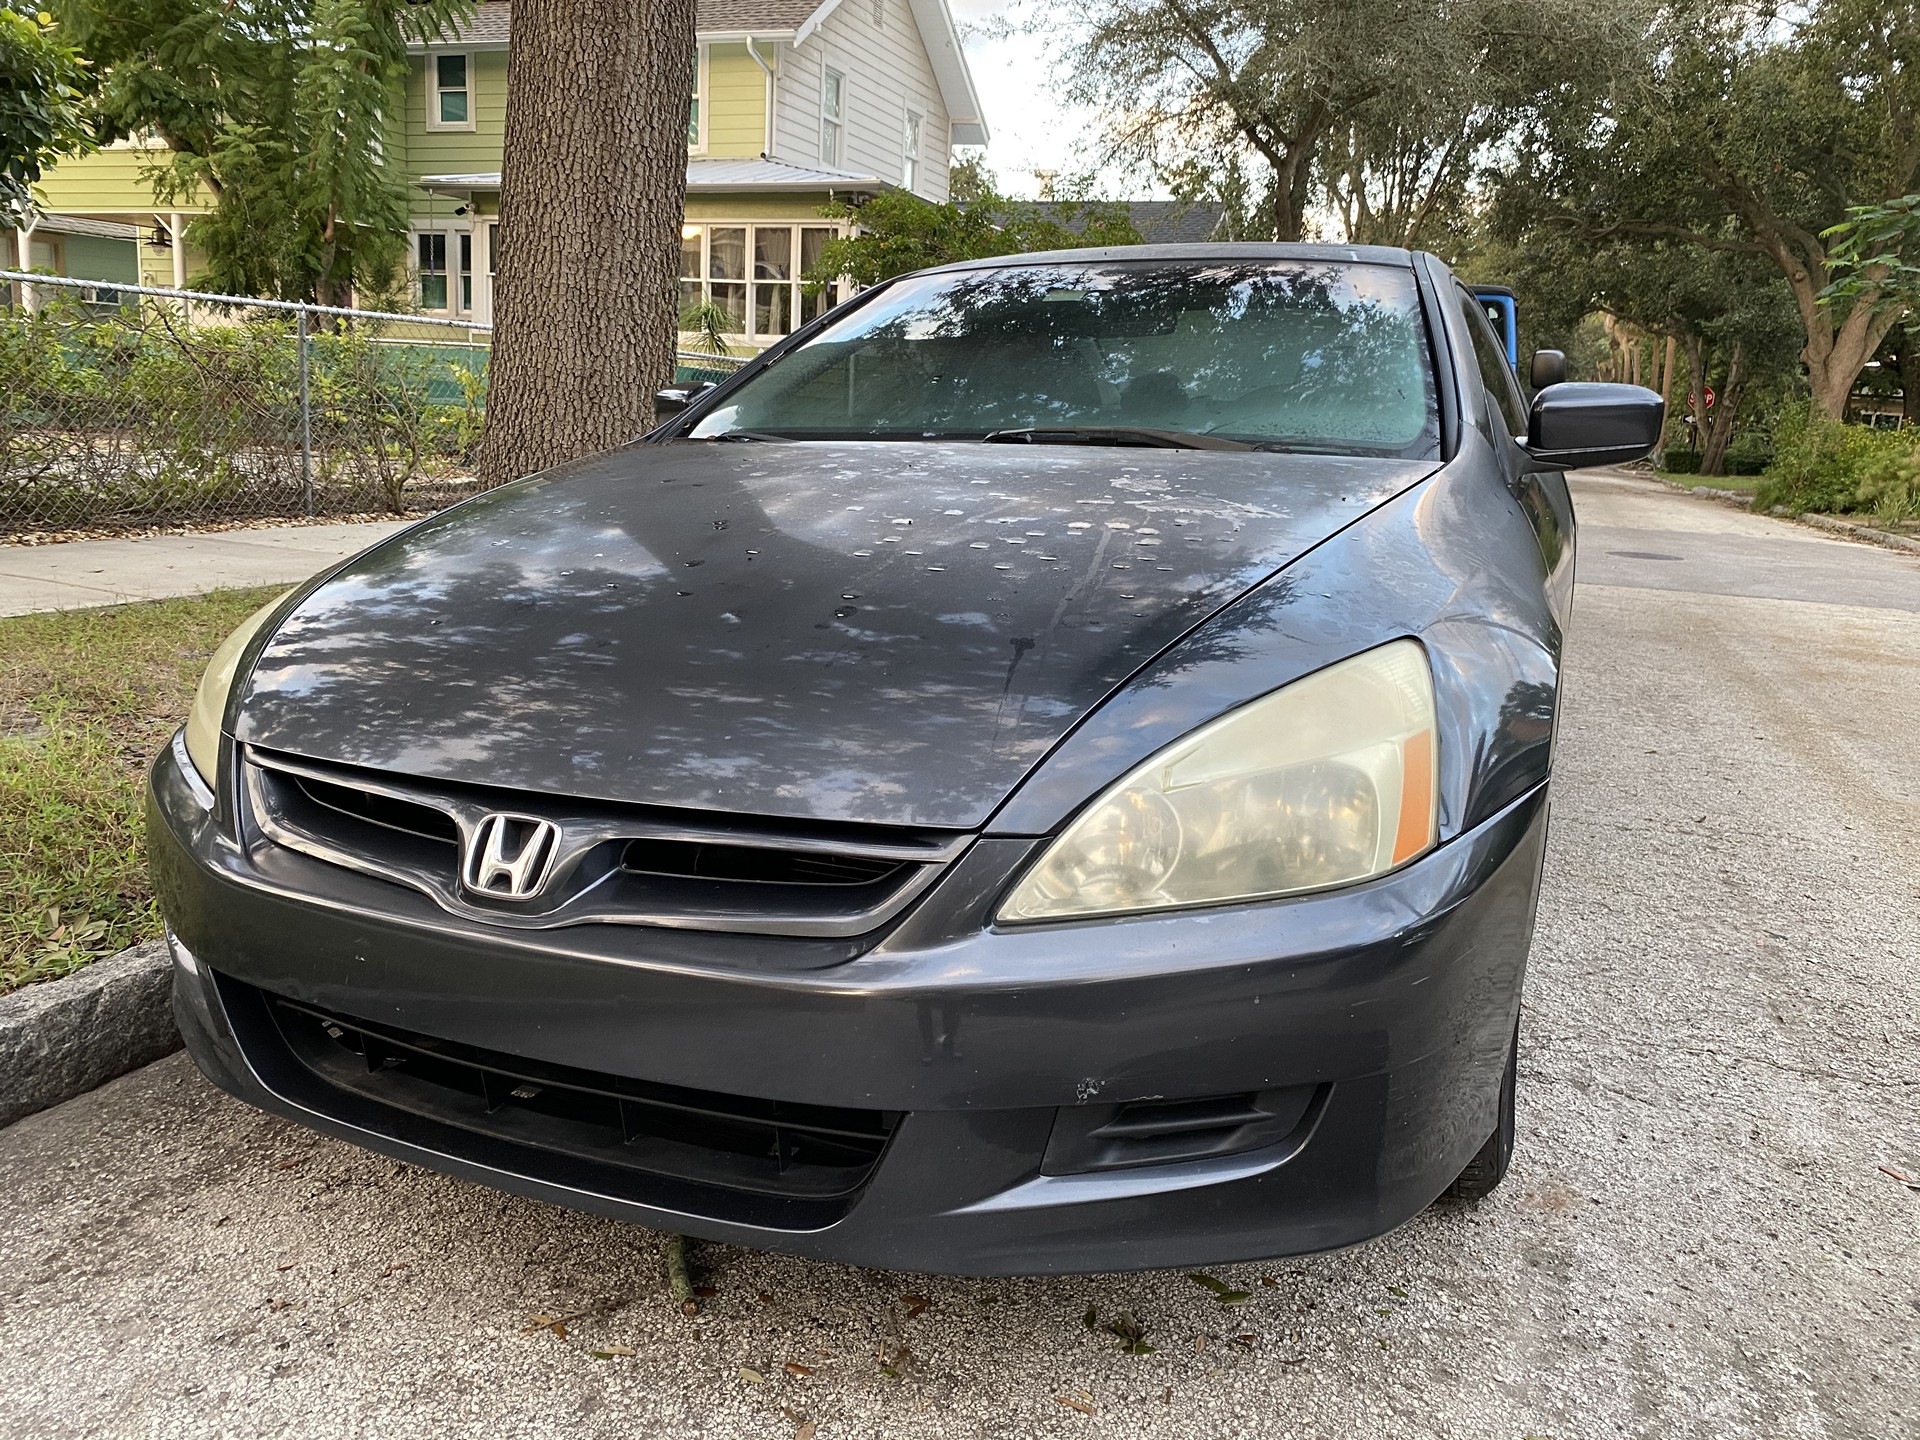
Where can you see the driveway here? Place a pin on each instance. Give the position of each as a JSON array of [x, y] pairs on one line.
[[1719, 1067]]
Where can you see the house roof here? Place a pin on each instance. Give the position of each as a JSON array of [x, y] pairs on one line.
[[486, 28], [79, 225], [791, 20], [703, 177]]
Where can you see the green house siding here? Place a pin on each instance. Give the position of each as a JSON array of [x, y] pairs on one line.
[[108, 182], [445, 152], [753, 205], [736, 103]]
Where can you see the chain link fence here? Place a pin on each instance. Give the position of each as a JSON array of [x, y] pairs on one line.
[[127, 406]]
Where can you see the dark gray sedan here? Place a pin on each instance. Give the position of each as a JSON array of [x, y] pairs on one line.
[[1045, 770]]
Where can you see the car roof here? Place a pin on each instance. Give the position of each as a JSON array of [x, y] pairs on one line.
[[1271, 250]]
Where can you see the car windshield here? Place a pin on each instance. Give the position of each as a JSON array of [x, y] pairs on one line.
[[1293, 355]]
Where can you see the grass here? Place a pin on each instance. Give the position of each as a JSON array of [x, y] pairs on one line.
[[1712, 482], [87, 698]]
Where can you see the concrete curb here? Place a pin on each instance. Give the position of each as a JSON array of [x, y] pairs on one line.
[[62, 1038], [1857, 531]]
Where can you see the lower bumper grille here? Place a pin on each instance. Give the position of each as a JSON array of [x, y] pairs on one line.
[[634, 1134]]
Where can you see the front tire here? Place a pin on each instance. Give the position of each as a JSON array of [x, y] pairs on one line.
[[1489, 1167]]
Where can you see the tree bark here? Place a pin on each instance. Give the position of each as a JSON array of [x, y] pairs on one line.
[[1906, 350], [1726, 409], [1697, 369], [592, 197]]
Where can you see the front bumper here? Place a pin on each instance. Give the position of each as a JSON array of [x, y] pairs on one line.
[[1388, 1008]]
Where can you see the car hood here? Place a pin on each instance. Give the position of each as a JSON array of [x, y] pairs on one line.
[[889, 633]]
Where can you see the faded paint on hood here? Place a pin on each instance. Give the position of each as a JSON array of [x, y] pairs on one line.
[[890, 633]]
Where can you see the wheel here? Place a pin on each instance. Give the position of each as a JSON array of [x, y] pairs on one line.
[[1489, 1167]]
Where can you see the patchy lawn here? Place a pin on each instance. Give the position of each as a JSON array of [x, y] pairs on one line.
[[1712, 482], [87, 698]]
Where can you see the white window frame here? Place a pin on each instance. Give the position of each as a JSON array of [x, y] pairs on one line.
[[797, 300], [913, 138], [702, 126], [837, 120], [434, 122], [479, 303]]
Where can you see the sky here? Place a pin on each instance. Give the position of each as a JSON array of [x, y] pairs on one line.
[[1031, 128]]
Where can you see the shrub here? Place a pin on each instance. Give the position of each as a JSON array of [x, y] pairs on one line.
[[1679, 460], [1820, 465], [1749, 455], [1890, 487]]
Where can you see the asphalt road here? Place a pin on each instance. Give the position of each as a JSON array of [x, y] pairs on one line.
[[1719, 1054]]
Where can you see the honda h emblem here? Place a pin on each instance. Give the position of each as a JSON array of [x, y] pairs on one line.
[[510, 856]]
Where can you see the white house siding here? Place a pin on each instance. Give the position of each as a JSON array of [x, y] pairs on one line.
[[887, 74], [796, 110]]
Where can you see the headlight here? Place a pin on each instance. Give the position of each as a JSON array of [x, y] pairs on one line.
[[210, 700], [1326, 782]]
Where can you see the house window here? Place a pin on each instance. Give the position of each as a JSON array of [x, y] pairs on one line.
[[431, 268], [910, 153], [753, 273], [449, 92], [833, 95], [695, 136], [465, 241]]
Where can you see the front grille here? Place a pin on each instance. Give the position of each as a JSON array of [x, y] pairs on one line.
[[1165, 1132], [612, 864], [767, 1148], [421, 821], [692, 860]]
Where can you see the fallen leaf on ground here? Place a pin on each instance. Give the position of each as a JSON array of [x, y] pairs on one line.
[[915, 1304], [1072, 1404], [287, 1266], [705, 1292], [806, 1431], [764, 1298], [398, 1265], [752, 1376], [614, 1352], [793, 1415], [291, 1164], [1900, 1175], [1270, 1282], [794, 1367], [1222, 1291]]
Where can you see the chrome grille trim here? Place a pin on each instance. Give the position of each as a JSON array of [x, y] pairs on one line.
[[585, 830]]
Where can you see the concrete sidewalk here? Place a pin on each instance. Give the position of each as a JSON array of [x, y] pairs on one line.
[[80, 573]]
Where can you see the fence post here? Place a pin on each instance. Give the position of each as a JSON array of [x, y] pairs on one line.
[[306, 424]]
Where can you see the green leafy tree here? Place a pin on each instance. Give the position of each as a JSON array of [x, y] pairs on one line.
[[275, 109], [1380, 107], [43, 112], [896, 232], [1756, 134]]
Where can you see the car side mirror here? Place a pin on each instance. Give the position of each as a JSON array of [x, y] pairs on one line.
[[1548, 367], [1577, 423], [671, 401]]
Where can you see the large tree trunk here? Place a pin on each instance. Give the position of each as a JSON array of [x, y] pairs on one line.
[[1726, 409], [1697, 369], [592, 193], [1906, 351]]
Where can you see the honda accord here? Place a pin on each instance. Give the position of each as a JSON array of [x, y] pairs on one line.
[[1044, 770]]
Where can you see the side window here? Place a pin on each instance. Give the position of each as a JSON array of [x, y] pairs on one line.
[[1503, 388]]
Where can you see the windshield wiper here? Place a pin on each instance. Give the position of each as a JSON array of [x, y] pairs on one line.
[[1113, 435], [748, 435]]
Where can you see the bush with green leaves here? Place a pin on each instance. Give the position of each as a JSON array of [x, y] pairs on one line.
[[1827, 466], [1749, 455], [1679, 460]]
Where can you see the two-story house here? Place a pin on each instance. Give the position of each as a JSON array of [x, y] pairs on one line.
[[794, 104]]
